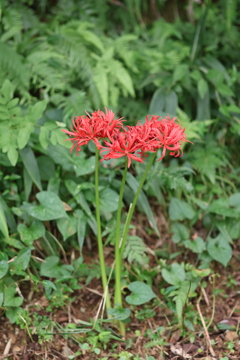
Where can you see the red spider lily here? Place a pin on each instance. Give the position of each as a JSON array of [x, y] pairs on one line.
[[167, 134], [93, 127], [122, 144]]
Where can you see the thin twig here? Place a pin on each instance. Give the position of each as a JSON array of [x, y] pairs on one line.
[[205, 330]]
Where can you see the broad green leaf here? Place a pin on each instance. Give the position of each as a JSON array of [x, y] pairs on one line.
[[31, 166], [3, 223], [171, 103], [81, 227], [108, 200], [219, 249], [37, 110], [46, 167], [3, 268], [180, 72], [10, 299], [67, 226], [224, 90], [24, 135], [180, 210], [44, 137], [49, 284], [234, 200], [119, 313], [8, 215], [180, 232], [158, 102], [29, 234], [222, 207], [175, 275], [50, 208], [12, 156], [141, 293], [7, 90], [85, 166], [197, 245], [50, 268], [21, 262]]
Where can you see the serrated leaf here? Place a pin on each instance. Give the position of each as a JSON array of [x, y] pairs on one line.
[[141, 293]]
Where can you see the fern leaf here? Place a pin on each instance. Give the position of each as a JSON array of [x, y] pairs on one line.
[[135, 251]]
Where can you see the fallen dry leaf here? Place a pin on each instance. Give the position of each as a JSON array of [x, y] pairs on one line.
[[230, 335]]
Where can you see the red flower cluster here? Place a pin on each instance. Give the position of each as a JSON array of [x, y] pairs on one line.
[[132, 141]]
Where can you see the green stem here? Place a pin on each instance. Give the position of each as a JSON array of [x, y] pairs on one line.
[[132, 207], [99, 235], [118, 260]]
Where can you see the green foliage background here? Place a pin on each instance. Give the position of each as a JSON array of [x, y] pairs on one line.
[[60, 58]]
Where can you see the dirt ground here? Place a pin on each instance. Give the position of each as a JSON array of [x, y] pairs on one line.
[[210, 343]]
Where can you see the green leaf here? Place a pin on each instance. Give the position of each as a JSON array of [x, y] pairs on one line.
[[225, 90], [222, 207], [44, 137], [219, 249], [12, 156], [50, 268], [180, 210], [10, 299], [3, 269], [24, 135], [3, 223], [202, 87], [141, 293], [180, 232], [67, 226], [21, 262], [85, 166], [171, 103], [175, 275], [7, 90], [158, 102], [180, 72], [108, 200], [37, 110], [81, 227], [119, 313], [197, 245], [50, 208], [203, 107], [31, 166], [29, 234]]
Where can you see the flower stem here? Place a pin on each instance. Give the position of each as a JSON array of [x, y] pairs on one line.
[[132, 206], [99, 235], [118, 260]]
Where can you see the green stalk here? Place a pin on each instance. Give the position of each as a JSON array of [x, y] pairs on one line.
[[118, 260], [132, 207], [99, 236]]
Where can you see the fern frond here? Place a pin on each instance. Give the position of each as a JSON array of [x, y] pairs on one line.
[[135, 251], [13, 68]]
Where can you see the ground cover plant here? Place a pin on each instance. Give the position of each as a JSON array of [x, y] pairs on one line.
[[176, 287]]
